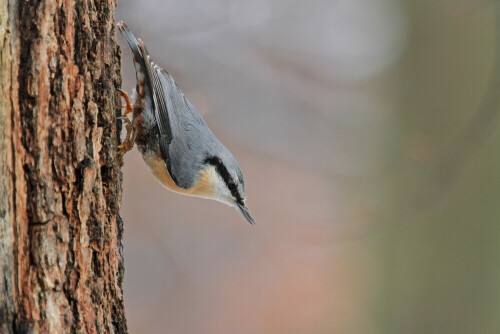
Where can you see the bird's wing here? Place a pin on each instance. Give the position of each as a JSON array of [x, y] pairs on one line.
[[181, 128], [160, 108], [171, 109], [190, 134]]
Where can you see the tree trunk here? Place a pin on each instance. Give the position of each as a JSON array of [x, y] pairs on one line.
[[60, 181]]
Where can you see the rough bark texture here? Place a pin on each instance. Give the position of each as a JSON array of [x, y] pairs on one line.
[[60, 183]]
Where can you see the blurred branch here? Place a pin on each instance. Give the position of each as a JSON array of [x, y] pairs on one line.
[[480, 127]]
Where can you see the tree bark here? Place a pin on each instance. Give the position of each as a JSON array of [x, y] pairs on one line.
[[60, 181]]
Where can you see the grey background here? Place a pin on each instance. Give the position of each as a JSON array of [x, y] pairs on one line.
[[342, 115]]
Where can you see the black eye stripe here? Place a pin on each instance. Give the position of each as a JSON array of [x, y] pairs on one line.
[[221, 169]]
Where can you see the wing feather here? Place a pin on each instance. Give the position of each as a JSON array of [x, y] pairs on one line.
[[160, 109], [169, 106]]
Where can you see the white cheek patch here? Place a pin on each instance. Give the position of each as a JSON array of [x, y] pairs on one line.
[[220, 191]]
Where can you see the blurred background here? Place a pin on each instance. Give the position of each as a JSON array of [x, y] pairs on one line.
[[368, 135]]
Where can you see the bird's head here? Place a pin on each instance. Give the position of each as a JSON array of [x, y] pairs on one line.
[[227, 183]]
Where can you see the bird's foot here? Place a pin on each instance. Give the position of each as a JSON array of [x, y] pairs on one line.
[[128, 143], [128, 105]]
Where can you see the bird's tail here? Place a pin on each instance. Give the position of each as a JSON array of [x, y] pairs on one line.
[[140, 54]]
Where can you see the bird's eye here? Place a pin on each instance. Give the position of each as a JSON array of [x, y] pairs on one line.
[[231, 186]]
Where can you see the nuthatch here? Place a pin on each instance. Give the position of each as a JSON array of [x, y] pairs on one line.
[[174, 140]]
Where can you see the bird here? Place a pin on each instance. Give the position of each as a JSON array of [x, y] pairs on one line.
[[175, 142]]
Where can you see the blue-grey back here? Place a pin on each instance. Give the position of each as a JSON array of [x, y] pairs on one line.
[[192, 140]]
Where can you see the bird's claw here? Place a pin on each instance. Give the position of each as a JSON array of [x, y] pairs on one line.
[[128, 143], [126, 120], [128, 105]]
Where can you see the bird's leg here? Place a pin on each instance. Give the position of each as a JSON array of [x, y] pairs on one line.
[[128, 143], [128, 106]]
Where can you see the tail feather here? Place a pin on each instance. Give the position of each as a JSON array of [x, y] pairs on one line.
[[132, 41], [140, 57]]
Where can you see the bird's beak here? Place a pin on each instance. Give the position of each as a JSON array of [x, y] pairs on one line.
[[245, 212]]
